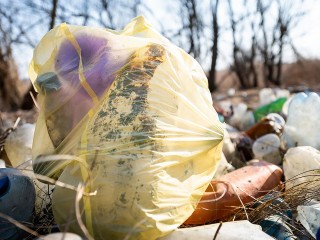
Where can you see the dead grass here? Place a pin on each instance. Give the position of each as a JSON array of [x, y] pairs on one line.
[[284, 203]]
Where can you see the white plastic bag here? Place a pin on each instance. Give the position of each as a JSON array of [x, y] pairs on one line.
[[309, 216], [296, 164]]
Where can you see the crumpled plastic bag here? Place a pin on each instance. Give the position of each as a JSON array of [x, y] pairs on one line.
[[309, 216], [136, 113]]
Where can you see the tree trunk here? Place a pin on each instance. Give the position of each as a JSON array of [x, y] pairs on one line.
[[214, 56], [252, 68], [53, 13], [279, 64]]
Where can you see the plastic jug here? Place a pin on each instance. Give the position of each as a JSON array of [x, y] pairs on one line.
[[302, 126]]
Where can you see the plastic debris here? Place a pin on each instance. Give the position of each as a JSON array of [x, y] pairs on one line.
[[299, 160], [240, 230], [267, 148], [62, 236], [238, 113], [228, 148], [268, 95], [18, 145], [248, 121], [225, 108], [272, 123], [136, 114], [17, 198], [309, 216], [2, 163], [231, 92], [277, 224], [244, 151], [302, 127], [273, 107], [224, 167], [223, 195], [277, 227], [129, 139], [285, 107]]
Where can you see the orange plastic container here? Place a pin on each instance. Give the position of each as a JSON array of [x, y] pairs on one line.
[[222, 197], [266, 125]]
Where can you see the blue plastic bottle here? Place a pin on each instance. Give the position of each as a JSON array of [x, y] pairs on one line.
[[17, 199]]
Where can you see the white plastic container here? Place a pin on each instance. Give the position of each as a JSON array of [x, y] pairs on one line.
[[61, 236], [302, 127], [240, 230], [267, 148], [18, 144], [239, 112], [299, 160], [247, 121]]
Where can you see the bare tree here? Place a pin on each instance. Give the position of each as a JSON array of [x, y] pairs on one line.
[[53, 13], [271, 46], [114, 14], [214, 48], [13, 31], [9, 96], [269, 37], [191, 27], [253, 57], [237, 53]]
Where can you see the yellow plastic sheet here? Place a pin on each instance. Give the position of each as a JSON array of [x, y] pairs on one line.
[[136, 113]]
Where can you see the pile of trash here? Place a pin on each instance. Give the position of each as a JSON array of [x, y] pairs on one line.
[[280, 129], [129, 145]]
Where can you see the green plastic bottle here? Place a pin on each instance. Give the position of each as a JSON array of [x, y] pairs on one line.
[[273, 107]]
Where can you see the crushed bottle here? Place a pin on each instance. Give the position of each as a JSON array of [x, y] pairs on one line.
[[272, 123], [273, 107]]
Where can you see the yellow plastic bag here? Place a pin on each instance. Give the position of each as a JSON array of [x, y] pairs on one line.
[[136, 113]]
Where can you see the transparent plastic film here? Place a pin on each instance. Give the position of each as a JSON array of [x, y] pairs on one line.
[[142, 120]]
